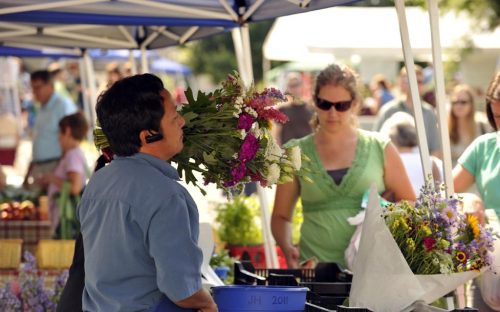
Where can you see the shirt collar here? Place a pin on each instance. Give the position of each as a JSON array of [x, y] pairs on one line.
[[161, 165], [50, 102]]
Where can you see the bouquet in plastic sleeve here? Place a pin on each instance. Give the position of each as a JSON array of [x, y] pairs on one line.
[[420, 252], [227, 138]]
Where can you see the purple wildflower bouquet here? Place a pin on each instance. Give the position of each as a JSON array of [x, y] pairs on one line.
[[413, 253], [227, 138], [435, 238], [28, 293]]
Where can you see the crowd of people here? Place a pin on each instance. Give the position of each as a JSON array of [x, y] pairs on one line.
[[121, 210]]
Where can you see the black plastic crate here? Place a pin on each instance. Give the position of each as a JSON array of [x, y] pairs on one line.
[[329, 285]]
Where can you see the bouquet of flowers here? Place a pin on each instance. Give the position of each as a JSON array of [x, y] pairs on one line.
[[228, 140], [29, 294], [420, 252]]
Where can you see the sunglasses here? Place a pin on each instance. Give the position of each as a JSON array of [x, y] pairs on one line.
[[325, 105], [461, 102]]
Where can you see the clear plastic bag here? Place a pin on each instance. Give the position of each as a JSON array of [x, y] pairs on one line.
[[489, 282]]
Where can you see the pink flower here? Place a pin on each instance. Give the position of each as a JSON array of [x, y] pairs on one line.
[[248, 148], [15, 288], [429, 243], [245, 121]]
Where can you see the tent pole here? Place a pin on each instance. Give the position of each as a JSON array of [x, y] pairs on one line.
[[131, 60], [245, 40], [91, 83], [144, 61], [238, 49], [440, 95], [415, 96], [440, 105], [85, 95], [244, 58]]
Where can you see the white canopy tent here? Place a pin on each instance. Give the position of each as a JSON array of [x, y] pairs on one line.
[[336, 33]]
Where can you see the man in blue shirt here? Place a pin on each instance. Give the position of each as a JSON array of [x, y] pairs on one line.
[[139, 225], [53, 107]]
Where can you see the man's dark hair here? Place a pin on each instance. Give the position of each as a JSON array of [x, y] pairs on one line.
[[42, 75], [77, 123], [129, 106]]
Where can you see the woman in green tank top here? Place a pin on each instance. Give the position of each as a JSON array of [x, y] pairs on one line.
[[345, 161]]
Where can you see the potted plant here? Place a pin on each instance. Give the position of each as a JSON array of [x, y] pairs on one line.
[[239, 226]]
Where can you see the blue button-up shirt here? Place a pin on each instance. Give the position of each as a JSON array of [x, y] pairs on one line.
[[46, 130], [140, 234]]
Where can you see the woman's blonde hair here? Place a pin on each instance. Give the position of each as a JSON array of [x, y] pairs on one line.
[[469, 119], [337, 75]]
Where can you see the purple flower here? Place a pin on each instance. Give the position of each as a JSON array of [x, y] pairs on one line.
[[237, 173], [248, 148], [245, 121]]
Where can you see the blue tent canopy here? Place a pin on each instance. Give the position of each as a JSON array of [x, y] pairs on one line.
[[159, 63], [31, 52], [165, 65], [131, 24]]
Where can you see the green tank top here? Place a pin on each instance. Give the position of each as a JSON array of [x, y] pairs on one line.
[[325, 232]]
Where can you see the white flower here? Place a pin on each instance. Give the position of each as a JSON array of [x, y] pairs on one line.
[[295, 157], [273, 174], [243, 133], [273, 151], [239, 101], [256, 130], [251, 112], [444, 269]]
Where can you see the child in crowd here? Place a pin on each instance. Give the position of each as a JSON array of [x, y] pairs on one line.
[[72, 167]]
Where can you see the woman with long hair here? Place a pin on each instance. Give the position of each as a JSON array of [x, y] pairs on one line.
[[344, 162], [464, 123]]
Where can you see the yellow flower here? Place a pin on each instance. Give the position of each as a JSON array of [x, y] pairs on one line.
[[411, 244], [404, 225], [461, 256], [427, 231], [474, 225], [395, 225], [445, 243]]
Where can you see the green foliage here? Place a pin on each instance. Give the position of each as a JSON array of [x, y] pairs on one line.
[[480, 10], [11, 193], [222, 259], [215, 55], [239, 221]]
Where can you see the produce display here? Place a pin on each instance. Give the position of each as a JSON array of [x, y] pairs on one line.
[[18, 204]]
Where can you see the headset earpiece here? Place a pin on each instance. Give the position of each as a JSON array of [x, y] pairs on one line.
[[154, 137]]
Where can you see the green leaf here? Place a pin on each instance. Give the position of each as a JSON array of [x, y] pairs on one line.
[[189, 116], [210, 158]]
